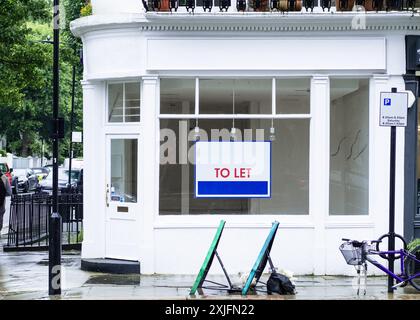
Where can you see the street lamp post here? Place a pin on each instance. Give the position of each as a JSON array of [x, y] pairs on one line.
[[71, 124], [54, 248]]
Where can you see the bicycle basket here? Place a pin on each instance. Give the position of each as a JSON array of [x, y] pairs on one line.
[[352, 254]]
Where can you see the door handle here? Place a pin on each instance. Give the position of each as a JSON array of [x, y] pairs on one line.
[[107, 195]]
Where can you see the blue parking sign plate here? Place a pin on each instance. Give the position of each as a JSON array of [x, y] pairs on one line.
[[393, 109]]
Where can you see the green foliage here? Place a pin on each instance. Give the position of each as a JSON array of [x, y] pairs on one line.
[[86, 10], [3, 153], [26, 74], [73, 8], [73, 56], [22, 69], [76, 237], [413, 244], [19, 59]]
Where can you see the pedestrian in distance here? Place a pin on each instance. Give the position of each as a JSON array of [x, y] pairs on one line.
[[5, 191]]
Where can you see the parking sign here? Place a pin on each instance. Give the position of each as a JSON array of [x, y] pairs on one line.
[[393, 109]]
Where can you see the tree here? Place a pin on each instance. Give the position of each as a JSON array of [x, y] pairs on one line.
[[72, 56], [21, 65], [26, 74], [18, 58]]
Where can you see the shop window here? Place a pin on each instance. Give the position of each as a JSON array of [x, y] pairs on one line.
[[115, 102], [349, 147], [124, 102], [177, 96], [124, 170], [236, 96], [290, 166], [293, 96]]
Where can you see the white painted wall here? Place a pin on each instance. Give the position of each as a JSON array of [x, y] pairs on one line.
[[123, 57], [268, 53], [94, 173], [178, 244], [238, 248]]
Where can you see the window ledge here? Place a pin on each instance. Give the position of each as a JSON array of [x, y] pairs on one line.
[[363, 223], [233, 222]]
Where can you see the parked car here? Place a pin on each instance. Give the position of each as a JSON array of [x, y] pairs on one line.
[[41, 173], [9, 174], [27, 180], [76, 181]]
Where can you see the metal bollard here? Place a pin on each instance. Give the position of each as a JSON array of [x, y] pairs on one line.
[[54, 248]]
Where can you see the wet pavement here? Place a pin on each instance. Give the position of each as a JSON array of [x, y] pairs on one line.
[[24, 275]]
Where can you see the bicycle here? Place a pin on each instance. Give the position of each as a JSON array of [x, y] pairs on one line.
[[358, 253]]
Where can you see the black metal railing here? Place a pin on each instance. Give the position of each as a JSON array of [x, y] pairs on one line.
[[28, 221], [280, 5]]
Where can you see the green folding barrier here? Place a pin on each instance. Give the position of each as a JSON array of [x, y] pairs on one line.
[[201, 277], [257, 269], [262, 259], [209, 259]]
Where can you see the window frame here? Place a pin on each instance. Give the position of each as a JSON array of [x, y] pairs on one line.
[[360, 216], [123, 82], [198, 116]]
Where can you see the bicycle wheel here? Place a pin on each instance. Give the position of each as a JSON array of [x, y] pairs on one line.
[[413, 267]]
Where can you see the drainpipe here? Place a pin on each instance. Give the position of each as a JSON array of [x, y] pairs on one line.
[[411, 79]]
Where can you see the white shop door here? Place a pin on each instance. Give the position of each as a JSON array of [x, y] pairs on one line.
[[122, 190]]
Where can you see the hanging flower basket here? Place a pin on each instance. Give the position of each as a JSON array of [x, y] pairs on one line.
[[366, 5], [259, 5]]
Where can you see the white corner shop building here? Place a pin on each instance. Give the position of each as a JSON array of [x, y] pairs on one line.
[[151, 78]]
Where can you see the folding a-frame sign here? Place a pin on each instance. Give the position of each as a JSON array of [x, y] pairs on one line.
[[256, 271], [201, 277], [262, 259]]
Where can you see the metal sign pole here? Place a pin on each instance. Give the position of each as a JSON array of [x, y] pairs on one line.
[[71, 124], [391, 241], [393, 113], [54, 233]]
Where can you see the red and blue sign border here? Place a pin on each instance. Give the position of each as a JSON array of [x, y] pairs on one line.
[[251, 186]]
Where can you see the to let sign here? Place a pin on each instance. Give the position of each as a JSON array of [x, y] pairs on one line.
[[233, 169], [393, 112]]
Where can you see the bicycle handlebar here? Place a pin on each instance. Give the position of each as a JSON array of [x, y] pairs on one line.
[[355, 241]]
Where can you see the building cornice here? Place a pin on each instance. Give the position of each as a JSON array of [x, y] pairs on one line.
[[405, 22]]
